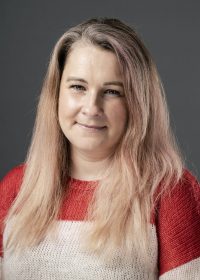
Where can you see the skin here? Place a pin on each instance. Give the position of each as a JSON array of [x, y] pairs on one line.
[[94, 104]]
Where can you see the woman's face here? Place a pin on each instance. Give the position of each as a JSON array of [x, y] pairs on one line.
[[92, 108]]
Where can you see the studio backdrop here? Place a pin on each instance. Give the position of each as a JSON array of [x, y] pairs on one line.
[[29, 30]]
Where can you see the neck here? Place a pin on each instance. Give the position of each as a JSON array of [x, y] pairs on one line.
[[87, 167]]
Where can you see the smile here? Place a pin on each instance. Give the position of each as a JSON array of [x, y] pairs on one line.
[[91, 127]]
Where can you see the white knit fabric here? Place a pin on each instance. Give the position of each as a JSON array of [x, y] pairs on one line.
[[1, 277], [188, 271], [64, 259]]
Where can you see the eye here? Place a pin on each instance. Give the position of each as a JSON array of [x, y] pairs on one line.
[[113, 92], [77, 87]]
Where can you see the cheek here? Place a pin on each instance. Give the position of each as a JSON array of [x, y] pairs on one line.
[[63, 113], [67, 107], [61, 110], [119, 116]]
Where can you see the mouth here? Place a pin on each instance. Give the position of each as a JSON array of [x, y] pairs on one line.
[[91, 127]]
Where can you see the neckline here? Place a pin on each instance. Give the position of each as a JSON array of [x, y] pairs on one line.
[[80, 184], [72, 179]]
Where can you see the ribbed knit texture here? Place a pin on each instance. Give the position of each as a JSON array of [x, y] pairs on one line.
[[174, 250]]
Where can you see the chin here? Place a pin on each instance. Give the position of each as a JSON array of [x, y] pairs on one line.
[[90, 147]]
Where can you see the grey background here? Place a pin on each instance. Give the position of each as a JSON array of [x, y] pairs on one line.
[[29, 30]]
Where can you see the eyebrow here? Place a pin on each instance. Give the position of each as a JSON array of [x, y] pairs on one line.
[[117, 83]]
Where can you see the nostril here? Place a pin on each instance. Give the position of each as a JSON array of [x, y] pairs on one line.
[[92, 110]]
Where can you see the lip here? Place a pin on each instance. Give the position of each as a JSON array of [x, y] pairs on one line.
[[91, 127]]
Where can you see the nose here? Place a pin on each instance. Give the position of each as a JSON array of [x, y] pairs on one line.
[[92, 105]]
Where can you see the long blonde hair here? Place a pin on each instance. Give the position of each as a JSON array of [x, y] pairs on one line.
[[146, 156]]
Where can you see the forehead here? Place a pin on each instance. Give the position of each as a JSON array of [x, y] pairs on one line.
[[84, 56]]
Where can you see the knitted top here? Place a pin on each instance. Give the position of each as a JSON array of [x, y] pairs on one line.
[[174, 250]]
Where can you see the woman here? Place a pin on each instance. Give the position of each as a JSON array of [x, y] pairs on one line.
[[103, 193]]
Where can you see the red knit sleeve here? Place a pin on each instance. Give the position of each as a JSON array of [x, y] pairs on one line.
[[178, 229], [9, 187]]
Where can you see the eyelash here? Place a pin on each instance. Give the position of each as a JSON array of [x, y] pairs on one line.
[[79, 87]]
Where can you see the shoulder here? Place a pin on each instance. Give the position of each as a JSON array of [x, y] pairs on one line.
[[10, 184], [14, 173], [184, 196], [9, 187], [178, 224]]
